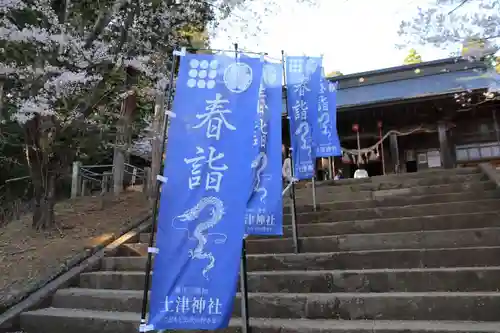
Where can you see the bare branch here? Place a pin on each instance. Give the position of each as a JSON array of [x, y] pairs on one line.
[[459, 5]]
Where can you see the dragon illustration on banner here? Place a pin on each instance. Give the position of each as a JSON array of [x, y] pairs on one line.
[[200, 233]]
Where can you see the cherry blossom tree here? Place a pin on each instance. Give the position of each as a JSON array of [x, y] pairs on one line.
[[63, 63], [73, 69], [445, 23], [472, 25]]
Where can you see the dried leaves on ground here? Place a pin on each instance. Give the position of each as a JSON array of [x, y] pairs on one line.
[[28, 257]]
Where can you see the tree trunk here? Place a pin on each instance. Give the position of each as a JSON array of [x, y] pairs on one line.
[[118, 167], [42, 170], [43, 213], [156, 142], [123, 132], [122, 142], [1, 100]]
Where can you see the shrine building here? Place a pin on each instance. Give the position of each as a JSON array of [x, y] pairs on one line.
[[427, 115]]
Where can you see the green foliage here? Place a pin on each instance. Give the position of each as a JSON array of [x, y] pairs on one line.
[[12, 159], [412, 58], [334, 73]]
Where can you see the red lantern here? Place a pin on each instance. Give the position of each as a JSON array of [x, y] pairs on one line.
[[355, 127], [379, 124]]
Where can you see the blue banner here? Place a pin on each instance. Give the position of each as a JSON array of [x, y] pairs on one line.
[[204, 201], [303, 76], [328, 139], [265, 208]]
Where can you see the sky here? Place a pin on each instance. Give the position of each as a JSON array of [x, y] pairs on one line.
[[352, 35]]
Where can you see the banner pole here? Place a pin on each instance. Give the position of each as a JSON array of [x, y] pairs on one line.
[[314, 192], [332, 166], [245, 322], [154, 217], [244, 290], [381, 147], [295, 235]]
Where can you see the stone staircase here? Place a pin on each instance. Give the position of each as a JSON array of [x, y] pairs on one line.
[[405, 253]]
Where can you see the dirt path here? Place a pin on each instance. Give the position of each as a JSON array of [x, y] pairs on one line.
[[27, 257]]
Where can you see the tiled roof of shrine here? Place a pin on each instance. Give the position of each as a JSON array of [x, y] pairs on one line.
[[427, 79]]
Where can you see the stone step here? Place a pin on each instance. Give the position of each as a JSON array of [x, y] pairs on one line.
[[333, 194], [392, 178], [485, 205], [348, 306], [305, 197], [53, 320], [399, 224], [397, 199], [389, 184], [421, 174], [402, 258], [464, 279], [414, 258], [374, 306], [405, 224], [358, 242]]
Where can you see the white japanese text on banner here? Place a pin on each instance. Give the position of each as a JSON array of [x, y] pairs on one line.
[[303, 83], [203, 204], [265, 208], [328, 138]]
